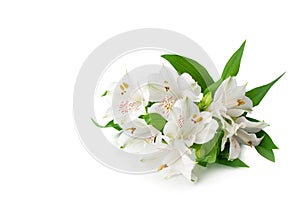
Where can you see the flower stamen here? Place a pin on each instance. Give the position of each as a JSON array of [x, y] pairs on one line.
[[162, 167], [240, 102], [131, 129]]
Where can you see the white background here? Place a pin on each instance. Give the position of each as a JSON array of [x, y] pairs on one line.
[[42, 47]]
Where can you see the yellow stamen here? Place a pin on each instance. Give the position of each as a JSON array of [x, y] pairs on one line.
[[125, 85], [194, 116], [167, 88], [131, 129], [250, 143], [199, 119], [122, 87], [240, 102], [162, 167]]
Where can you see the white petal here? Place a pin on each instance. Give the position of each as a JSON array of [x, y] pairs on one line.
[[171, 129], [230, 129], [248, 139], [234, 149], [223, 142], [207, 133], [188, 87], [235, 112], [251, 127], [187, 107], [247, 106], [183, 165], [137, 129], [163, 84]]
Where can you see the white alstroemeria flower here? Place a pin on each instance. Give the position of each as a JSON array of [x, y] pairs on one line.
[[230, 100], [229, 103], [167, 87], [138, 137], [187, 123], [244, 134], [129, 100], [177, 160]]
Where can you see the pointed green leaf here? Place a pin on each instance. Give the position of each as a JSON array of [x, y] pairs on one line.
[[235, 163], [257, 94], [203, 164], [266, 142], [267, 153], [213, 87], [233, 65], [154, 119], [110, 124], [207, 152], [105, 93], [195, 69]]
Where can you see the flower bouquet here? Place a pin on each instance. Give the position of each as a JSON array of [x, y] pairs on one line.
[[187, 118]]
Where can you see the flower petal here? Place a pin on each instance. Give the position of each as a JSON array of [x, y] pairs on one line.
[[163, 84], [235, 112], [248, 138], [207, 133], [251, 127], [234, 149], [188, 87], [171, 129]]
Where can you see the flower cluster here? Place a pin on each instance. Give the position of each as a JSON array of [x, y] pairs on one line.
[[188, 118]]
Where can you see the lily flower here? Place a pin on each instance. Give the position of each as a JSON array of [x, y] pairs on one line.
[[166, 87], [138, 137], [230, 102], [187, 125], [129, 100], [245, 134], [177, 161]]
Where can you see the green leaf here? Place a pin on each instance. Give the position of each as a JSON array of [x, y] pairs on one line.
[[110, 124], [266, 142], [213, 87], [257, 94], [196, 70], [203, 164], [105, 93], [154, 119], [208, 152], [267, 153], [234, 163], [233, 65]]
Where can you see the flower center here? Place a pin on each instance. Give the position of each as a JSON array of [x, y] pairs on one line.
[[180, 121], [126, 106], [196, 119], [240, 102], [167, 104]]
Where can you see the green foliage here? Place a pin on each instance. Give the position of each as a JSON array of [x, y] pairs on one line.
[[208, 152], [257, 94], [154, 119], [105, 93], [234, 163], [187, 65], [267, 153], [233, 65], [110, 124]]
